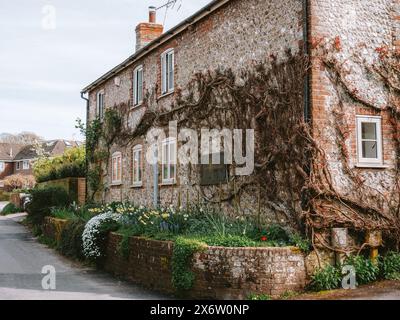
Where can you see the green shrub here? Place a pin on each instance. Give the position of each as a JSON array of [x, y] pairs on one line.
[[126, 232], [366, 270], [69, 165], [259, 297], [300, 242], [10, 209], [71, 239], [276, 232], [43, 200], [390, 266], [327, 278], [184, 249]]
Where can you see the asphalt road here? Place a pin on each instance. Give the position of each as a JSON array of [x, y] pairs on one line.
[[22, 259]]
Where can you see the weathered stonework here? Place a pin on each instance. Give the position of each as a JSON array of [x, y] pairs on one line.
[[243, 33], [220, 273], [237, 36], [358, 28]]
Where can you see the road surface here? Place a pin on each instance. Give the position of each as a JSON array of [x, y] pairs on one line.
[[22, 259]]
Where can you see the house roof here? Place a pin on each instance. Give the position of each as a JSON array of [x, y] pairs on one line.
[[29, 152], [8, 151], [51, 148], [199, 15]]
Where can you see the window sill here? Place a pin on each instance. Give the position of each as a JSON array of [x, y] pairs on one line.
[[168, 183], [116, 184], [137, 186], [371, 166], [137, 106], [164, 95]]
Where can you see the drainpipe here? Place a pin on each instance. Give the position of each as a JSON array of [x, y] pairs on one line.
[[306, 85], [306, 13], [86, 158], [156, 195]]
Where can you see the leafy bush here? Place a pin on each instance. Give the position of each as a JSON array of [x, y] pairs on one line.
[[72, 164], [126, 232], [10, 209], [43, 200], [72, 213], [184, 249], [301, 243], [366, 270], [390, 266], [327, 278], [95, 235], [259, 297], [71, 244]]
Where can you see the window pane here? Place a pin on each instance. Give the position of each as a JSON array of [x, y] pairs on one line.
[[170, 71], [369, 149], [140, 85], [368, 131], [164, 73]]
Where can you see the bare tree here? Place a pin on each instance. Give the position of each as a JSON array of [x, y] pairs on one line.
[[23, 138]]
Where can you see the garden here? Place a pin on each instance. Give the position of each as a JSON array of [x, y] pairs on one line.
[[191, 229]]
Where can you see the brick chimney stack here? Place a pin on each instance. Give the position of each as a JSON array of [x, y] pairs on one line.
[[146, 32]]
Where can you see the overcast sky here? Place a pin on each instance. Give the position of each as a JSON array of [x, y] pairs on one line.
[[45, 62]]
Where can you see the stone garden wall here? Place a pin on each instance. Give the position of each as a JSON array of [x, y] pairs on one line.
[[221, 273]]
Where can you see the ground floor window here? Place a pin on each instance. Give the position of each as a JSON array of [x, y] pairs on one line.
[[2, 166], [369, 140], [25, 165], [169, 161], [116, 168], [137, 165]]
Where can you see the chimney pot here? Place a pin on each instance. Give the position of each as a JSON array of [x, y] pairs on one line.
[[152, 14], [146, 32]]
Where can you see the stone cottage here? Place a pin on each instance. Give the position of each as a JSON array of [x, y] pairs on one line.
[[310, 77]]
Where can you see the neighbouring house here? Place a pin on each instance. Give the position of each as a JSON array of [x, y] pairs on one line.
[[316, 81], [19, 159]]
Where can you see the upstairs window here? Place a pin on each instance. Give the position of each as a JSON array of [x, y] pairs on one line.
[[169, 161], [137, 166], [167, 71], [116, 168], [138, 86], [100, 105], [369, 140], [25, 165]]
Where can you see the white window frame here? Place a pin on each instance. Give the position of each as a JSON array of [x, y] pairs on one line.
[[168, 72], [377, 120], [100, 109], [18, 165], [138, 86], [2, 166], [137, 167], [25, 165], [168, 161], [116, 172]]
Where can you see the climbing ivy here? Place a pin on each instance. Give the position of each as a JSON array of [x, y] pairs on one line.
[[184, 249]]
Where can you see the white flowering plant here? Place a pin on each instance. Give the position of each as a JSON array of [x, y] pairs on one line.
[[95, 234]]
